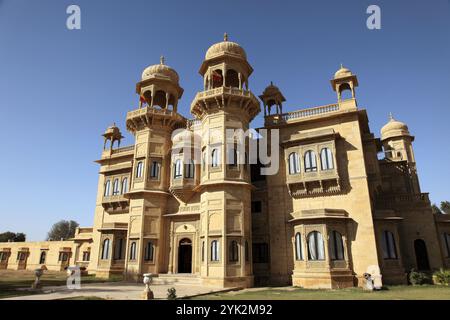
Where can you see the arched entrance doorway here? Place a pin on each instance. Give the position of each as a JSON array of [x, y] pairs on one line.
[[185, 256], [420, 249]]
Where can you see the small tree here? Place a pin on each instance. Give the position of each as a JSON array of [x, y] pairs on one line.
[[62, 230], [435, 209], [13, 237], [445, 207]]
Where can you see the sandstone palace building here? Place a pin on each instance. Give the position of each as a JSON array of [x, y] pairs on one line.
[[343, 202]]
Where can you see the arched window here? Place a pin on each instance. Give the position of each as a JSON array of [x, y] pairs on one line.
[[105, 249], [217, 78], [315, 246], [190, 169], [336, 246], [326, 159], [178, 169], [203, 160], [345, 91], [294, 163], [118, 254], [247, 253], [203, 250], [133, 251], [124, 185], [232, 157], [86, 255], [446, 241], [149, 249], [234, 251], [116, 187], [107, 188], [139, 169], [215, 158], [63, 256], [310, 161], [42, 257], [154, 170], [232, 79], [388, 245], [298, 246], [215, 250]]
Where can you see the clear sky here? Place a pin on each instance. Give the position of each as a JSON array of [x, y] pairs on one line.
[[60, 89]]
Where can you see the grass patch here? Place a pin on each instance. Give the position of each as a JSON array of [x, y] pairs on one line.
[[11, 281], [84, 298], [426, 292]]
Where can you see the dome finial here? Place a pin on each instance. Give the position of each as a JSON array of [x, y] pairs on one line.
[[271, 83], [342, 66], [161, 60], [225, 36], [391, 117]]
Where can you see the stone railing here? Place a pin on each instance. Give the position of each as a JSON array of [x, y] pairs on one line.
[[190, 123], [148, 109], [304, 113], [311, 112], [123, 149], [224, 90], [392, 201]]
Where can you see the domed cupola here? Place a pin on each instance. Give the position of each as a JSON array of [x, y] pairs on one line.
[[112, 134], [272, 96], [159, 91], [394, 129], [159, 86], [344, 83], [225, 71], [160, 71], [225, 48]]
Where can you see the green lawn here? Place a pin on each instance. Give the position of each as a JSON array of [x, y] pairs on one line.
[[84, 298], [427, 292], [11, 281]]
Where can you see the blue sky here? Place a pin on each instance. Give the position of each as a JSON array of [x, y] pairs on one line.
[[60, 89]]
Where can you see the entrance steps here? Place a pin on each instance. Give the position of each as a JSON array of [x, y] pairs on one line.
[[177, 278]]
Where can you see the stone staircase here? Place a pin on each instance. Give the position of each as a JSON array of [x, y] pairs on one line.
[[177, 278]]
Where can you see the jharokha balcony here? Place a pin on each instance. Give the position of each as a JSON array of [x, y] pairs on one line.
[[223, 97], [148, 116], [115, 204]]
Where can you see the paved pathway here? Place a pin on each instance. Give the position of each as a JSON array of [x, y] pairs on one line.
[[118, 291]]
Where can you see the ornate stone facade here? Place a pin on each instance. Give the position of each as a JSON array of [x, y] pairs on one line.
[[332, 212]]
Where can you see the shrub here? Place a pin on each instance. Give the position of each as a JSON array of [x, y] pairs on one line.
[[171, 294], [442, 276], [418, 278]]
